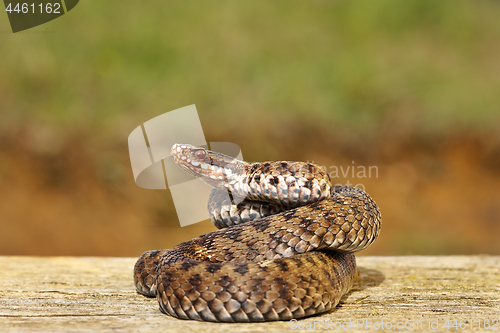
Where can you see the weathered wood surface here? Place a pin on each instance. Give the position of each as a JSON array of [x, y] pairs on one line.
[[87, 294]]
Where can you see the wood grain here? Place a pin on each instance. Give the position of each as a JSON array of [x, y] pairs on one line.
[[91, 293]]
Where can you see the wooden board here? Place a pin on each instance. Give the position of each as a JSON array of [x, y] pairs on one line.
[[85, 294]]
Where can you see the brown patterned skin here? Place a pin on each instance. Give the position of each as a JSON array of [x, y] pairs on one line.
[[292, 264]]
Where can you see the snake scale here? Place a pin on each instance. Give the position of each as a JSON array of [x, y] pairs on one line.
[[286, 249]]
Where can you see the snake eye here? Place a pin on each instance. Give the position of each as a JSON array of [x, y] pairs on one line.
[[200, 154]]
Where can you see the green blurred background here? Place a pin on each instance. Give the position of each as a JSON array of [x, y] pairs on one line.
[[411, 87]]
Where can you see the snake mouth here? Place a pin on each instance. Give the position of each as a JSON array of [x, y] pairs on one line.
[[213, 168]]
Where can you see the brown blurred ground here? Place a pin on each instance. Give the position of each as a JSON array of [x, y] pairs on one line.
[[411, 87], [438, 198]]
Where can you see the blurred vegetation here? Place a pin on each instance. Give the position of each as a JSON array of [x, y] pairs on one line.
[[372, 66], [333, 81]]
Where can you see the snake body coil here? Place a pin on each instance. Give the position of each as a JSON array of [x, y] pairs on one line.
[[286, 251]]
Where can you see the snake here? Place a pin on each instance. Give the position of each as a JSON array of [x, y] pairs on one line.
[[284, 250]]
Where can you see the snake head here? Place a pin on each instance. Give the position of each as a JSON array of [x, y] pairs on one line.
[[213, 168]]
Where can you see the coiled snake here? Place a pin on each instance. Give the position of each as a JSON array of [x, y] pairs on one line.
[[286, 252]]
